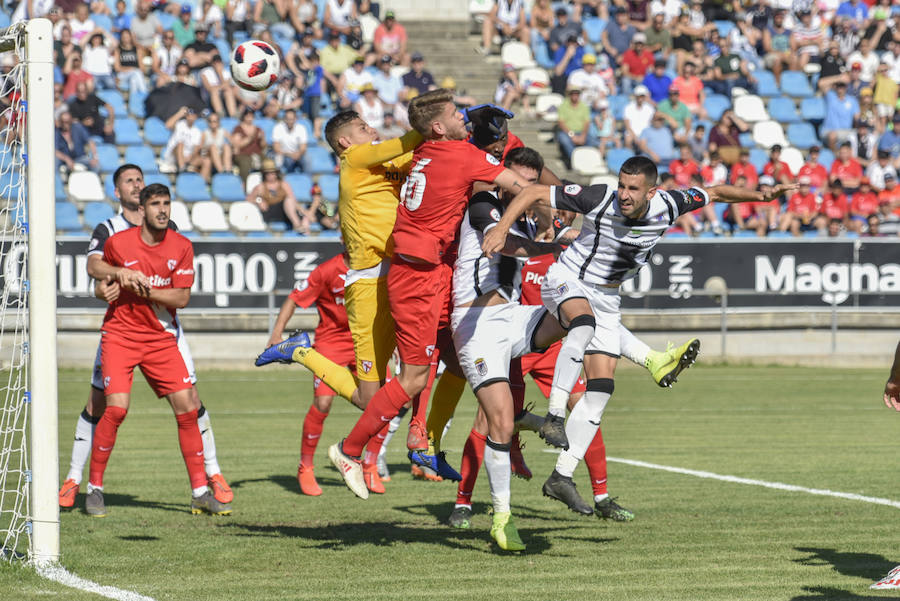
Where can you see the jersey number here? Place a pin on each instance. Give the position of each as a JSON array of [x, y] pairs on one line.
[[414, 187]]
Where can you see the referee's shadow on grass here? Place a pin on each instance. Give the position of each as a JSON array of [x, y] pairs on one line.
[[861, 565]]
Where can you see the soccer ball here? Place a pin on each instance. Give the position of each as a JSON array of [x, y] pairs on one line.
[[255, 65]]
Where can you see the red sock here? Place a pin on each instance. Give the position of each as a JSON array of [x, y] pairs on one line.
[[104, 441], [420, 401], [517, 385], [312, 431], [595, 459], [191, 444], [379, 412], [473, 456], [374, 446]]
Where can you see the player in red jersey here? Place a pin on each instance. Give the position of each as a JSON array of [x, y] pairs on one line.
[[155, 269], [434, 199], [325, 288]]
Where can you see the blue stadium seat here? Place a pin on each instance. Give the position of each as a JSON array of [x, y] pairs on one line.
[[593, 28], [330, 234], [715, 105], [766, 85], [97, 212], [67, 217], [228, 124], [277, 226], [267, 125], [190, 187], [227, 187], [60, 188], [826, 158], [615, 157], [220, 235], [224, 51], [4, 20], [330, 188], [109, 189], [813, 109], [300, 184], [115, 100], [136, 104], [102, 21], [724, 27], [676, 235], [802, 135], [783, 110], [744, 234], [167, 20], [108, 156], [155, 132], [811, 234], [127, 132], [758, 158], [11, 183], [746, 140], [780, 235], [795, 84], [143, 157], [307, 124], [617, 105], [256, 234], [317, 160], [542, 56]]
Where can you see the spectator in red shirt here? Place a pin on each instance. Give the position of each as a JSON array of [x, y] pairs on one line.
[[743, 168], [636, 61], [891, 193], [777, 168], [769, 212], [802, 213], [391, 39], [684, 167], [75, 75], [846, 168], [863, 204], [834, 203], [744, 216], [815, 171]]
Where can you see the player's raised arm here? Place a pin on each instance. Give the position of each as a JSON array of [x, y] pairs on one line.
[[495, 238], [357, 142], [735, 194]]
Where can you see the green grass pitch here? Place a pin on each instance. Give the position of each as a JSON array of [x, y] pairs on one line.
[[692, 538]]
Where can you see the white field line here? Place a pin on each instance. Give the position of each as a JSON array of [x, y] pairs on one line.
[[62, 576]]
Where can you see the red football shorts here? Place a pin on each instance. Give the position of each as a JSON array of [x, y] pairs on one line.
[[340, 353], [160, 362], [419, 297], [540, 367]]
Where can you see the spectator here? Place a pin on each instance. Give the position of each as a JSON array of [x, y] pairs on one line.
[[639, 13], [815, 171], [276, 200], [219, 88], [573, 127], [697, 143], [321, 211], [855, 84], [840, 109], [589, 81], [565, 29], [542, 22], [312, 93], [184, 150], [97, 61], [888, 221], [606, 126], [863, 205], [74, 145], [75, 75], [872, 227], [730, 71], [892, 59], [669, 9], [690, 89], [215, 148], [146, 27], [289, 140], [677, 115], [885, 95], [715, 173], [352, 81], [63, 47], [200, 53], [725, 137], [388, 85], [807, 41], [657, 81], [509, 90], [834, 203], [617, 37], [867, 59], [702, 59], [776, 168], [85, 108], [303, 16], [297, 58], [862, 142], [418, 78], [744, 169], [183, 27], [656, 141], [891, 192], [846, 168], [127, 64], [776, 43], [637, 115], [769, 212], [272, 16], [683, 36], [183, 74], [338, 14], [81, 23], [336, 58], [890, 140], [879, 168], [237, 18], [211, 15], [249, 144], [122, 19], [506, 18], [369, 107], [855, 12], [834, 228], [459, 97], [568, 60], [390, 128], [684, 167], [636, 62], [391, 40], [802, 213], [745, 216], [833, 68], [166, 58], [659, 38], [287, 95]]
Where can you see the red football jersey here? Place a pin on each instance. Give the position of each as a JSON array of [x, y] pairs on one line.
[[801, 204], [779, 171], [747, 170], [533, 272], [864, 204], [852, 170], [834, 208], [817, 175], [325, 288], [434, 197], [169, 264], [513, 141], [682, 172]]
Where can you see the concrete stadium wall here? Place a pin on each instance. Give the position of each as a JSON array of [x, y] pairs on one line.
[[427, 10]]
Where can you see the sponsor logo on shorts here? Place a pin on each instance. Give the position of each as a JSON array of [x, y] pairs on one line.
[[366, 366], [562, 289], [429, 350], [106, 382], [481, 367], [171, 263]]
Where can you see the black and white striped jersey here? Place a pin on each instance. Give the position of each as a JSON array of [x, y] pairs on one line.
[[474, 274], [612, 248], [107, 228]]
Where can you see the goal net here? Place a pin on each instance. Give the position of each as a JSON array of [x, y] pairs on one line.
[[29, 515]]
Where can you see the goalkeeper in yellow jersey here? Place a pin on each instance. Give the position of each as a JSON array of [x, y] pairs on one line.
[[371, 173]]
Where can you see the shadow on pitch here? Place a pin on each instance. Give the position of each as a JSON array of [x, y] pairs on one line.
[[114, 500], [861, 565], [824, 593]]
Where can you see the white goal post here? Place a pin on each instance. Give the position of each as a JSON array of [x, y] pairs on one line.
[[30, 347]]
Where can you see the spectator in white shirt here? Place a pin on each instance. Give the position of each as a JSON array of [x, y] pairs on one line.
[[638, 114], [352, 81], [592, 84], [215, 148], [289, 139], [867, 59], [166, 58], [880, 167], [183, 151], [82, 24], [369, 107]]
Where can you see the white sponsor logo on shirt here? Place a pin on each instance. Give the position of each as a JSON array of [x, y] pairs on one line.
[[130, 263], [495, 214], [572, 189], [491, 159]]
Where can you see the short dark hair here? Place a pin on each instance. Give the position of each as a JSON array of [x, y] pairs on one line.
[[525, 157], [154, 190], [423, 109], [665, 178], [640, 165], [334, 125], [118, 173]]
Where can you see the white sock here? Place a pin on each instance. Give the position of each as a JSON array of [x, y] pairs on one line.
[[496, 462], [632, 348], [81, 448], [199, 491], [581, 428], [566, 463], [598, 498], [91, 488], [458, 505], [209, 442], [393, 427], [446, 428], [569, 363]]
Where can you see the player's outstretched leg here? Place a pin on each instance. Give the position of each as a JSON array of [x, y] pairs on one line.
[[350, 469], [283, 352], [383, 472], [665, 367]]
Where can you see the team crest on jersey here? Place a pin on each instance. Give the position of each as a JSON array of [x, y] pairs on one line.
[[491, 159], [302, 285], [94, 243], [317, 381], [171, 263], [572, 189], [562, 289], [495, 214], [429, 350], [366, 366], [106, 382], [481, 367]]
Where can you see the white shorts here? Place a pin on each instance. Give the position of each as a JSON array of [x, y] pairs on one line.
[[560, 285], [97, 374], [487, 338]]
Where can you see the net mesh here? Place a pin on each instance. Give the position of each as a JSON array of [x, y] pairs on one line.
[[14, 468]]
